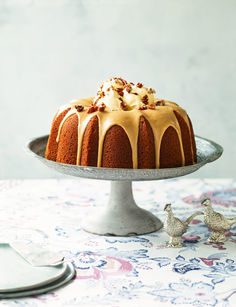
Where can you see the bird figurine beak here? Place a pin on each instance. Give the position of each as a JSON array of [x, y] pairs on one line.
[[167, 206], [205, 201]]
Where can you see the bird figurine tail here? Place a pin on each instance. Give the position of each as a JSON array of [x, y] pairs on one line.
[[232, 221], [189, 219]]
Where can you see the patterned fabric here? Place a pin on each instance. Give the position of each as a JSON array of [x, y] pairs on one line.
[[125, 271]]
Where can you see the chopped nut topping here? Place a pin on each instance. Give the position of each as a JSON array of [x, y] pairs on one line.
[[101, 93], [102, 107], [120, 80], [151, 106], [145, 99], [118, 88], [128, 88], [95, 102], [139, 85], [123, 105], [143, 108], [79, 108], [120, 91], [160, 103], [92, 109], [151, 91]]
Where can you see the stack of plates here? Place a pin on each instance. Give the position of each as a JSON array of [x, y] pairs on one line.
[[19, 278]]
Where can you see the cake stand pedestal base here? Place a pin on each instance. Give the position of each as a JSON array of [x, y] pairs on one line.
[[122, 217]]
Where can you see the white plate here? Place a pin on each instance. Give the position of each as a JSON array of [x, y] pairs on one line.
[[16, 274], [69, 274]]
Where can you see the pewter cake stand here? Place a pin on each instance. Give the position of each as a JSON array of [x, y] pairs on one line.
[[122, 217]]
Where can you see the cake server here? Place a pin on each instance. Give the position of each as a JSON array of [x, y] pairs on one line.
[[36, 255]]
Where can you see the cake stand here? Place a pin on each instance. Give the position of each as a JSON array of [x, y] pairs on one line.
[[122, 217]]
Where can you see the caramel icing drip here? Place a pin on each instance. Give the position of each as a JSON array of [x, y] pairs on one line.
[[159, 119], [85, 102]]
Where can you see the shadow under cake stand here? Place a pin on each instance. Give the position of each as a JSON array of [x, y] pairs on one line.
[[122, 216]]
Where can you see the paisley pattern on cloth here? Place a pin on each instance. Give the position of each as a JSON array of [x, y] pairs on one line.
[[125, 271]]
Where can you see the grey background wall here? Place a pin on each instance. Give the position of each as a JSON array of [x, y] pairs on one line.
[[53, 51]]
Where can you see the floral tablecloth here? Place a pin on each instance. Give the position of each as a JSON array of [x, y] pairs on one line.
[[125, 271]]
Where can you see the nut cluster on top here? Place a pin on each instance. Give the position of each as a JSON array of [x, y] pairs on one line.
[[117, 94]]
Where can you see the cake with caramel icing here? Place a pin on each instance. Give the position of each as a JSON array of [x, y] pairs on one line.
[[123, 126]]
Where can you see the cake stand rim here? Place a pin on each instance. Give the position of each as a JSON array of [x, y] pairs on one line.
[[109, 173]]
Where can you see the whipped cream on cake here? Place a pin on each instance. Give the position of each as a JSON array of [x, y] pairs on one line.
[[117, 94]]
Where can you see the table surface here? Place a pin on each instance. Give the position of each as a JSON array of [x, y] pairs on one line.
[[125, 271]]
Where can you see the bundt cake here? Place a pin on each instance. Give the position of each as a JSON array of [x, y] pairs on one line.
[[123, 126]]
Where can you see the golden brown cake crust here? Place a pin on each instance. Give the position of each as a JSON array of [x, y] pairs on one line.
[[146, 146], [89, 150], [121, 157], [52, 145], [194, 148], [67, 147], [170, 153], [186, 139]]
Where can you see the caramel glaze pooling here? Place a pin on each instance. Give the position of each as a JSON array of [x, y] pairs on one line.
[[160, 119]]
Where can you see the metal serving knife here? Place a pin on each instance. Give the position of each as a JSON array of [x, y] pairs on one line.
[[36, 255]]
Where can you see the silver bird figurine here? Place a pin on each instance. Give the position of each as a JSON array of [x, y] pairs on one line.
[[175, 228], [216, 222]]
